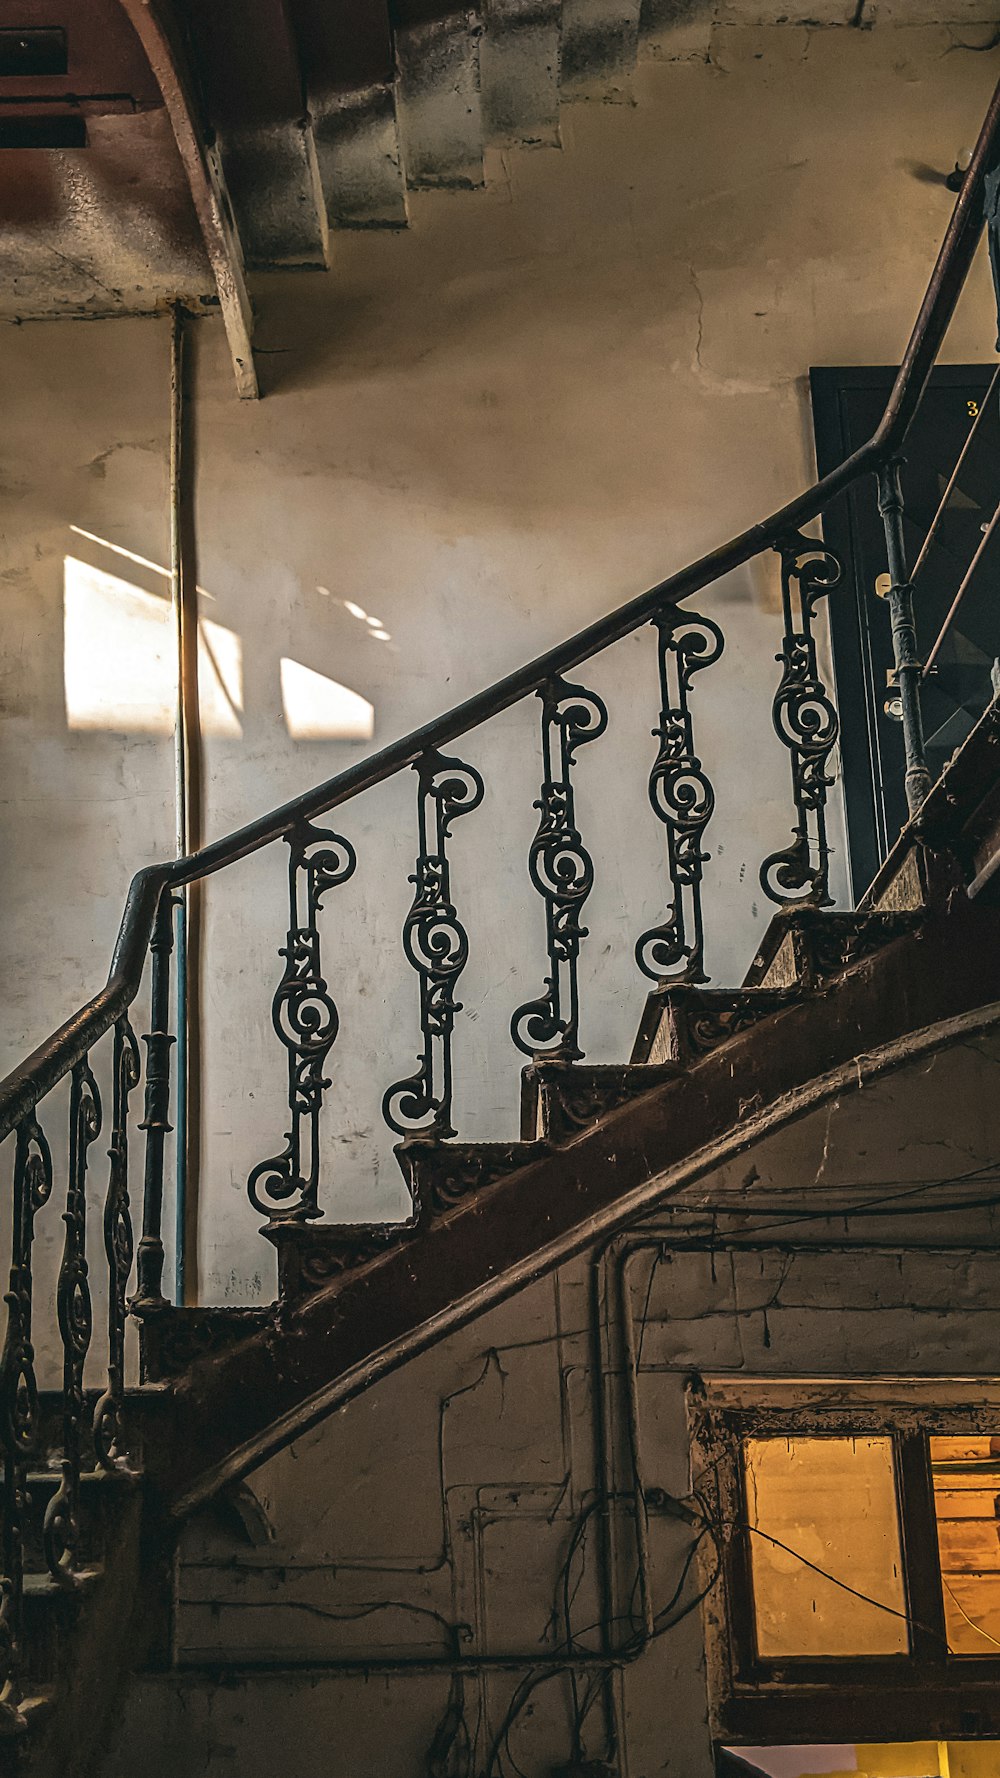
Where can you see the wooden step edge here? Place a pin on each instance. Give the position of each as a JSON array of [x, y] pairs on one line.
[[680, 1024], [804, 946], [24, 1717], [313, 1255], [573, 1100], [585, 1090], [443, 1174], [174, 1338], [125, 1479], [41, 1586]]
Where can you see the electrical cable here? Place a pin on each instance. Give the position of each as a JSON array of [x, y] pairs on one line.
[[972, 1625]]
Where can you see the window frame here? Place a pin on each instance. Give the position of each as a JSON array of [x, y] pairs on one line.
[[925, 1694]]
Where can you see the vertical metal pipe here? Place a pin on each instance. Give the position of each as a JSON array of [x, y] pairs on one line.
[[181, 775], [904, 637], [187, 777]]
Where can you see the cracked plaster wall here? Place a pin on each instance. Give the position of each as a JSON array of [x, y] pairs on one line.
[[485, 431], [444, 1502]]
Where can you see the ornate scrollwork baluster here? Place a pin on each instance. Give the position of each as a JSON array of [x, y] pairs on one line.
[[806, 722], [682, 798], [436, 946], [61, 1532], [285, 1188], [562, 871], [19, 1397], [118, 1245]]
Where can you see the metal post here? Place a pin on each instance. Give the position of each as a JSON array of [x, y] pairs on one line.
[[907, 663], [156, 1122]]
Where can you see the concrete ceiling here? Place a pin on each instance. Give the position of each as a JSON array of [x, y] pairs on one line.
[[153, 149]]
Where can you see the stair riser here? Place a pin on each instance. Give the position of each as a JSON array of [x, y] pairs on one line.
[[519, 73], [359, 159], [559, 1101], [440, 111]]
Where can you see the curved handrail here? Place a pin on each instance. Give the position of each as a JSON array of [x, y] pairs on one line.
[[40, 1072]]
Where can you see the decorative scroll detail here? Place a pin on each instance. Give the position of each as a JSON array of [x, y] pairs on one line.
[[571, 1104], [706, 1021], [682, 798], [806, 722], [109, 1425], [61, 1531], [562, 871], [442, 1177], [319, 1267], [841, 940], [19, 1419], [436, 946], [305, 1018]]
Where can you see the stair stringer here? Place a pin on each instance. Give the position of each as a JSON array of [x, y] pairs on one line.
[[921, 992]]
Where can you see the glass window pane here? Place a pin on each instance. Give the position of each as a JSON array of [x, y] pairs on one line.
[[831, 1501], [966, 1472]]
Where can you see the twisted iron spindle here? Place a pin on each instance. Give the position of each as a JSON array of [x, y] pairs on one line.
[[156, 1120], [285, 1188], [436, 946], [806, 722], [682, 797], [19, 1415], [907, 663], [61, 1529], [118, 1246], [562, 871]]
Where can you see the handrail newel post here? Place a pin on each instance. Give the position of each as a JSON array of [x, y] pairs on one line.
[[907, 665], [156, 1120]]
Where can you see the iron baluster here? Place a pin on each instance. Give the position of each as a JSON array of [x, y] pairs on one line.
[[806, 722], [908, 668], [118, 1246], [682, 798], [19, 1397], [285, 1188], [156, 1119], [562, 871], [436, 946], [61, 1530]]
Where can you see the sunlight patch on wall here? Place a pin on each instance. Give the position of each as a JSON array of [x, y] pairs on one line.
[[120, 664], [319, 709], [896, 1759]]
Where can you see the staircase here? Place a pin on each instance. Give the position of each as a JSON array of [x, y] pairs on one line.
[[95, 1483], [396, 100]]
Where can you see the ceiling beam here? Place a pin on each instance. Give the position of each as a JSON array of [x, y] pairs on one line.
[[156, 29]]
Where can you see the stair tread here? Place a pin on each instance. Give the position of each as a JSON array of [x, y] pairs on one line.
[[89, 1478], [40, 1584]]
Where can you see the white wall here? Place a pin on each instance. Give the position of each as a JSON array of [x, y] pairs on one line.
[[485, 431]]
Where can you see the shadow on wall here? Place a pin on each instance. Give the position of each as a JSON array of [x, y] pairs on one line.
[[120, 664]]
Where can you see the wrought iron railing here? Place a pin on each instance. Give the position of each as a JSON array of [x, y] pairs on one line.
[[286, 1186]]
